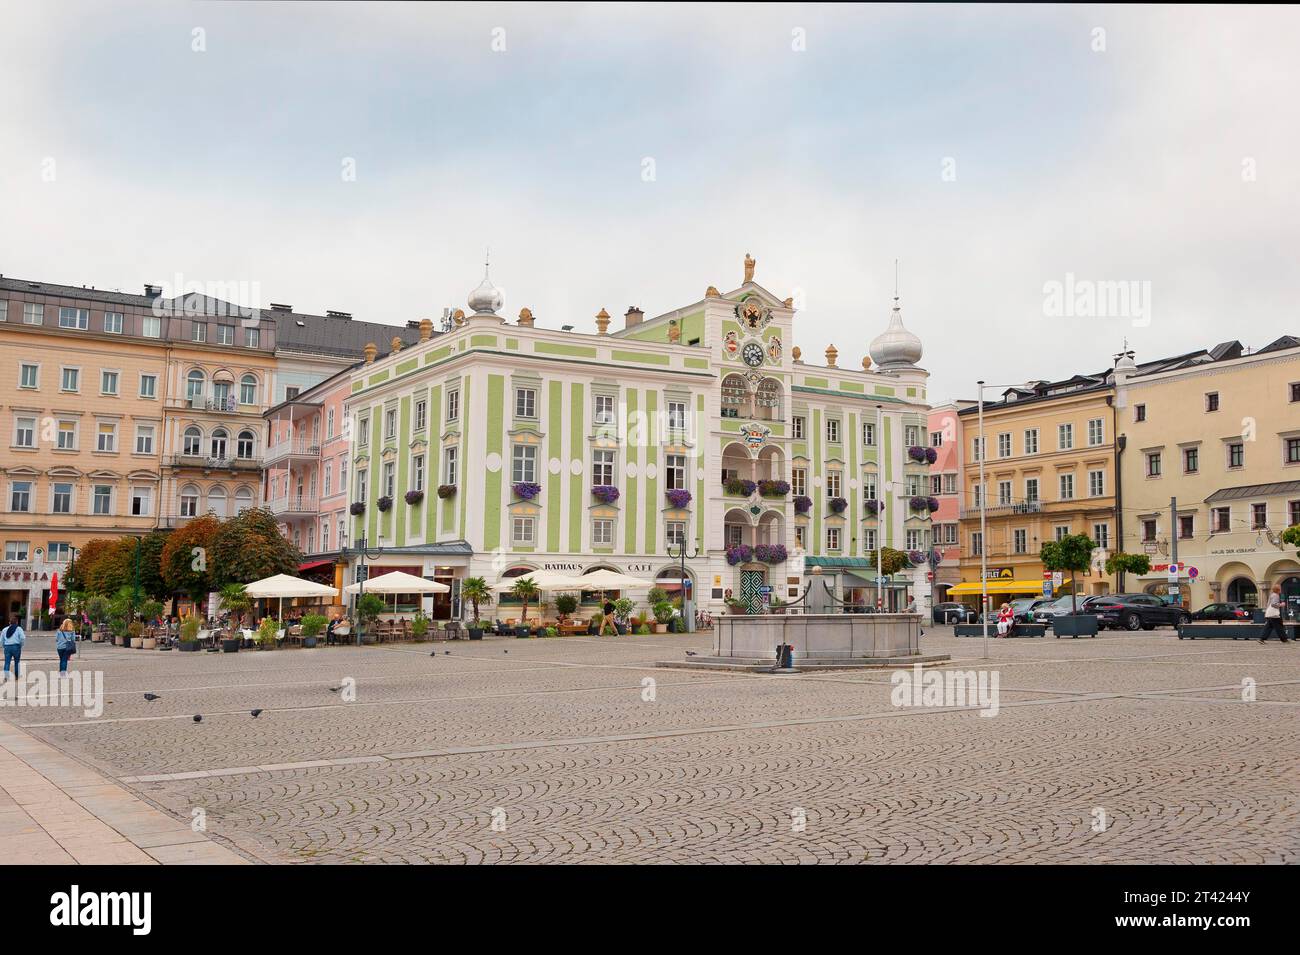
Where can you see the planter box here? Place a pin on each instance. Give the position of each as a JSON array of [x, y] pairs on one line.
[[1075, 625], [191, 646], [308, 642], [661, 628], [231, 646], [1232, 631], [149, 643], [1020, 630], [522, 632], [137, 643], [476, 633], [97, 638]]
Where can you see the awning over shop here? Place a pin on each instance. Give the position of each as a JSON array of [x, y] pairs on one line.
[[315, 565], [1024, 587]]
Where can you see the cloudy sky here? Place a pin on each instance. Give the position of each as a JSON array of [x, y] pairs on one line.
[[618, 155]]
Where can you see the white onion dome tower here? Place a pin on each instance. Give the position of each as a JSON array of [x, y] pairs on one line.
[[895, 347], [487, 298]]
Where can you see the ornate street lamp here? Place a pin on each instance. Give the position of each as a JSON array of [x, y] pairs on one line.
[[363, 554], [682, 554]]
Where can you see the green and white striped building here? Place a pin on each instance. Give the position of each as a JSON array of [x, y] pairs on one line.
[[700, 400]]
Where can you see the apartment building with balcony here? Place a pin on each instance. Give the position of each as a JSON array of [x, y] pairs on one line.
[[947, 485], [525, 447], [1219, 433]]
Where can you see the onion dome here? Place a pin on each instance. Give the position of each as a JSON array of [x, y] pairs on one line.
[[487, 298], [895, 347]]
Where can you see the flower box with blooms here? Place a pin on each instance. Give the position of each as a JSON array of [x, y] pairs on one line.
[[774, 488], [357, 508], [871, 506], [916, 557], [678, 497], [740, 554], [741, 486], [446, 490], [918, 503], [802, 503], [838, 504], [931, 455], [526, 490], [916, 453], [384, 503], [414, 497], [932, 503], [605, 493], [770, 553]]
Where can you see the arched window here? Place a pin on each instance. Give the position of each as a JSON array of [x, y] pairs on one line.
[[248, 390], [219, 444], [189, 501], [194, 384], [244, 447], [243, 499], [217, 500], [221, 394], [193, 442]]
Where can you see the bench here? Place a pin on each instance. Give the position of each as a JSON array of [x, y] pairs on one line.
[[1018, 630]]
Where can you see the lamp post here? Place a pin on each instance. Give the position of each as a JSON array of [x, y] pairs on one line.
[[682, 555], [362, 556]]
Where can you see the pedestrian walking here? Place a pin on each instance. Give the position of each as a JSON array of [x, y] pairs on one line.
[[65, 643], [13, 640], [1273, 616]]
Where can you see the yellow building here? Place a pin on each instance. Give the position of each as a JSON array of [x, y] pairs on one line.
[[1049, 470], [1219, 432]]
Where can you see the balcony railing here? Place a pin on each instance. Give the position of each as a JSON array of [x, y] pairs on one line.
[[294, 504], [297, 448], [215, 463], [1002, 510]]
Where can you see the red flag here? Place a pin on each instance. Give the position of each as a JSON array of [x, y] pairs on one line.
[[54, 591]]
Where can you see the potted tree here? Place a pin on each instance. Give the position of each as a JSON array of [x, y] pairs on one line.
[[595, 623], [663, 612], [97, 611], [525, 590], [312, 625], [623, 608], [150, 610], [266, 633], [565, 605], [369, 607], [1071, 554], [476, 591], [419, 626], [135, 633]]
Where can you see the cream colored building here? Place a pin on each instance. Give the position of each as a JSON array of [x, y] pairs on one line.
[[1220, 432]]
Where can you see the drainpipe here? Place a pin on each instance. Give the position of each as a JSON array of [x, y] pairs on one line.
[[1120, 442]]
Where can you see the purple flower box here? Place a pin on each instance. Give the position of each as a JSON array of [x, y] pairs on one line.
[[770, 553], [917, 557], [357, 508], [931, 455], [919, 503], [740, 554], [526, 490], [741, 486], [773, 488], [802, 504], [678, 497], [384, 503], [414, 497], [838, 504], [916, 453], [871, 506], [932, 503], [605, 493]]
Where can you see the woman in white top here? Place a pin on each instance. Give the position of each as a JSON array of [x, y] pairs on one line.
[[1273, 616]]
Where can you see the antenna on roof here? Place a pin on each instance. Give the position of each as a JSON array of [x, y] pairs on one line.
[[895, 280]]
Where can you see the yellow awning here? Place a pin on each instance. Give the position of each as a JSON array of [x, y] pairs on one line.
[[997, 587]]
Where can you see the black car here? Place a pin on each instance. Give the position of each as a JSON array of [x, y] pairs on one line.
[[953, 612], [1136, 612], [1222, 612]]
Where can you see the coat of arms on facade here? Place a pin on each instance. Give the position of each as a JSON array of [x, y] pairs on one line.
[[755, 435], [774, 348], [731, 343], [753, 315]]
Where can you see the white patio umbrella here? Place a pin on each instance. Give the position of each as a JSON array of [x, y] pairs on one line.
[[282, 585], [544, 579], [613, 580], [398, 582]]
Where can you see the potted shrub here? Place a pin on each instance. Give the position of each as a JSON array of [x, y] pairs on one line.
[[777, 605], [1072, 554], [189, 635], [735, 606], [419, 626], [97, 611], [551, 632], [623, 608], [414, 497], [446, 490], [663, 612], [476, 591], [643, 630], [266, 632], [594, 625], [234, 599], [525, 590], [135, 632], [357, 508], [312, 625]]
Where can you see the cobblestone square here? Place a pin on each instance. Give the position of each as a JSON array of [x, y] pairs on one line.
[[1127, 748]]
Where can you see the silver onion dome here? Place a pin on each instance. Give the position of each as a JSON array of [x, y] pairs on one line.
[[487, 298], [895, 347]]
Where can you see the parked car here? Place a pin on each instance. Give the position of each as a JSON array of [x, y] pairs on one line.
[[1138, 612], [1047, 609], [1223, 611], [1022, 608], [953, 612]]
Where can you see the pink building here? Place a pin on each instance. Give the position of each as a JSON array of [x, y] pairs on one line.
[[945, 484], [307, 471]]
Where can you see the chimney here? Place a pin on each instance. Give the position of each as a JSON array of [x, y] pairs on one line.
[[602, 322], [633, 317], [152, 291], [370, 351], [278, 307], [426, 329]]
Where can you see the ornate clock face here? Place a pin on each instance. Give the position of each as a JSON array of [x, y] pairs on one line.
[[752, 354]]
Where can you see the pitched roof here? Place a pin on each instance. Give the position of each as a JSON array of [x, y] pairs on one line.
[[336, 335]]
